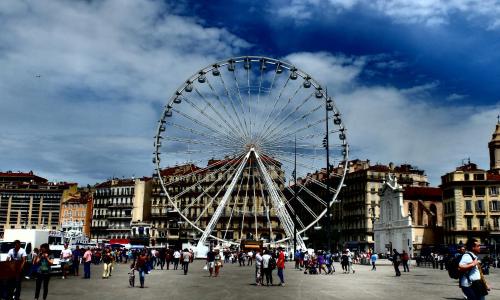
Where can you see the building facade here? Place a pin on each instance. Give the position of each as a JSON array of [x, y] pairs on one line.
[[410, 218], [112, 210], [76, 213], [358, 206], [194, 189], [471, 199], [30, 201]]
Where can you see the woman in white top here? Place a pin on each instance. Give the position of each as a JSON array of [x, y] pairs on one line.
[[469, 266]]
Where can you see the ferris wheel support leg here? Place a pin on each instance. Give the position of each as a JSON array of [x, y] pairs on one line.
[[281, 211], [211, 224]]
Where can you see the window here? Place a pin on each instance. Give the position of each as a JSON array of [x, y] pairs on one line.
[[478, 176], [495, 223], [467, 191], [448, 193], [493, 191], [466, 177], [468, 205], [494, 205], [481, 223], [469, 223], [480, 191], [480, 205]]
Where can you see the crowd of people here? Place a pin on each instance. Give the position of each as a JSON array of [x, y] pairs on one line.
[[38, 264]]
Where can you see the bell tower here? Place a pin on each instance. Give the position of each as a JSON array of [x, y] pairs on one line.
[[494, 146]]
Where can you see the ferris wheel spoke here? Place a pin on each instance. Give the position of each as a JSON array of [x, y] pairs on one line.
[[216, 94], [266, 207], [240, 98], [199, 142], [217, 132], [234, 207], [243, 210], [275, 103], [281, 111], [287, 202], [198, 133], [204, 192], [198, 183], [228, 94], [275, 132], [202, 112], [217, 194], [300, 129], [255, 205], [201, 170]]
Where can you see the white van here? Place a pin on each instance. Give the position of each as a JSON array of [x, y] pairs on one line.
[[29, 238]]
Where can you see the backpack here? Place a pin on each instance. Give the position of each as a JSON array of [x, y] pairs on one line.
[[272, 263], [452, 266]]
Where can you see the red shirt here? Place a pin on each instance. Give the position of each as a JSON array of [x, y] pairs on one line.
[[280, 263]]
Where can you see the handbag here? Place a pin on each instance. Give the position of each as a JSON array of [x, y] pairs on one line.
[[479, 286], [205, 267]]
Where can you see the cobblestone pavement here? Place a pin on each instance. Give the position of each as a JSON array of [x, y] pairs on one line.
[[237, 283]]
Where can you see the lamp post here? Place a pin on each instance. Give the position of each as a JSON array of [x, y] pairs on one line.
[[326, 143], [295, 200]]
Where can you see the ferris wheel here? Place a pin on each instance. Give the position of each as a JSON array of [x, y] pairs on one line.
[[241, 150]]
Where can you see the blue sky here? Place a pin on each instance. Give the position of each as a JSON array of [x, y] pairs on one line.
[[417, 81]]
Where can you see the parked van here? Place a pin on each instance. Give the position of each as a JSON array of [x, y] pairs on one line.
[[29, 238]]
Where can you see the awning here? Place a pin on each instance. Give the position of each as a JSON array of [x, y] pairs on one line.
[[119, 241]]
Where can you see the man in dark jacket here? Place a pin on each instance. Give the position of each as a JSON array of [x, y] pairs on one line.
[[396, 260]]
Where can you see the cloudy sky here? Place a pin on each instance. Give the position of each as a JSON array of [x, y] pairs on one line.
[[82, 83]]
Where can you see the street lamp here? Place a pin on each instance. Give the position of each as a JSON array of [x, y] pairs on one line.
[[326, 144], [295, 200]]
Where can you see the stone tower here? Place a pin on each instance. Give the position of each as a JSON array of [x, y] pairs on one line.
[[494, 146]]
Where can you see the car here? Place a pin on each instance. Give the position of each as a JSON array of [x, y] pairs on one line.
[[55, 251]]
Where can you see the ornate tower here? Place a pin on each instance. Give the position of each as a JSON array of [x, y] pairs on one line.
[[494, 146]]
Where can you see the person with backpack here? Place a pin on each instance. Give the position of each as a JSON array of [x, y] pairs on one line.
[[396, 260], [44, 260], [472, 281]]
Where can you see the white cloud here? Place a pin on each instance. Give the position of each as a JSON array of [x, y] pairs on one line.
[[427, 12], [106, 69], [403, 125]]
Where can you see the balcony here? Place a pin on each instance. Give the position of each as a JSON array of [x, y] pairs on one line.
[[121, 205], [119, 217]]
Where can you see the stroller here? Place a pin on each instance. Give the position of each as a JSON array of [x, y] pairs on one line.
[[131, 277]]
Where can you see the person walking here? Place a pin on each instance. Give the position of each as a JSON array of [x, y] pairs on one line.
[[350, 256], [218, 262], [280, 264], [177, 256], [266, 267], [472, 282], [44, 260], [107, 259], [211, 261], [258, 268], [186, 257], [404, 259], [396, 260], [373, 259], [140, 266], [87, 260], [76, 256], [66, 260], [17, 254], [33, 269]]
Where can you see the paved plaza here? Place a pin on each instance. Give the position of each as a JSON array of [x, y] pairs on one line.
[[237, 282]]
